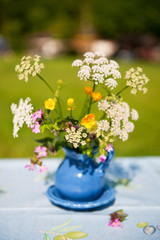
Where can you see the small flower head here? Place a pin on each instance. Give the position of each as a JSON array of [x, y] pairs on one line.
[[31, 167], [59, 82], [88, 90], [96, 96], [22, 114], [42, 151], [89, 121], [134, 115], [36, 127], [50, 103], [29, 66], [42, 169], [70, 104], [137, 80], [102, 158], [115, 223], [109, 148], [36, 115]]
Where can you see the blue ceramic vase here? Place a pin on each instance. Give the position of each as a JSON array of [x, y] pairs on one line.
[[79, 177]]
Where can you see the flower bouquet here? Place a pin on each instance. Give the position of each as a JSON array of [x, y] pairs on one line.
[[88, 131]]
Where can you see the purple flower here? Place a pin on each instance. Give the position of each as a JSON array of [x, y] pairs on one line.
[[30, 167], [36, 127], [115, 223], [102, 158], [42, 169], [42, 151], [37, 115], [109, 148]]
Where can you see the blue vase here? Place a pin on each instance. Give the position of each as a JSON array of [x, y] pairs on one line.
[[79, 177]]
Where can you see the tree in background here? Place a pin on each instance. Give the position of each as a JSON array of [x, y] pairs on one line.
[[63, 19]]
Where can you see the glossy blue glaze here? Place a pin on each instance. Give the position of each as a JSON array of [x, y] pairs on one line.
[[79, 177]]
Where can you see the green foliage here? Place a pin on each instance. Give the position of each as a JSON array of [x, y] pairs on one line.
[[46, 237], [76, 235], [19, 19], [61, 229]]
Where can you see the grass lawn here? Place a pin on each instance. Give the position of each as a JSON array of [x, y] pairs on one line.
[[143, 141]]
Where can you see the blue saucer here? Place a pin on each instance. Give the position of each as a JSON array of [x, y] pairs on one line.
[[105, 199]]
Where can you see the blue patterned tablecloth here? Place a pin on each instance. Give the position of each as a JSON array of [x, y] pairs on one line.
[[25, 210]]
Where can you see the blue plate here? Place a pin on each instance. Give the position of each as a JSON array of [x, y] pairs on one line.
[[105, 199]]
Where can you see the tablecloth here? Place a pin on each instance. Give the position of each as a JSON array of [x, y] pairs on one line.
[[25, 210]]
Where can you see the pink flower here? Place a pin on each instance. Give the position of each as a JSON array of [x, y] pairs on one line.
[[102, 158], [115, 223], [109, 148], [30, 167], [37, 115], [42, 169], [36, 127], [42, 151]]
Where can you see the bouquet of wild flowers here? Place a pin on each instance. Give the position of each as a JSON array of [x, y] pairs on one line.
[[88, 132]]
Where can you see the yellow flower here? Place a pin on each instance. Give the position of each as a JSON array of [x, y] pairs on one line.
[[88, 90], [50, 103], [89, 121], [70, 104], [96, 96]]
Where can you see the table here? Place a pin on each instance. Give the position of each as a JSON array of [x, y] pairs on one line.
[[25, 210]]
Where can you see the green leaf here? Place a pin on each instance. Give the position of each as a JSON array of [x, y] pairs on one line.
[[44, 140], [76, 235], [71, 228], [142, 224], [59, 237], [61, 225], [46, 237]]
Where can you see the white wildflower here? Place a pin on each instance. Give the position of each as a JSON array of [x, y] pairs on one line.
[[29, 67], [101, 60], [114, 64], [84, 73], [103, 125], [134, 115], [83, 143], [75, 136], [77, 63], [115, 73], [128, 126], [88, 60], [111, 83], [99, 54], [103, 105], [84, 135], [22, 114], [98, 78], [89, 55], [137, 80], [97, 69], [123, 136]]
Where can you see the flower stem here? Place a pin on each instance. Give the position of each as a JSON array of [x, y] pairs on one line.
[[83, 109], [46, 83], [71, 113], [122, 90], [60, 109], [90, 102]]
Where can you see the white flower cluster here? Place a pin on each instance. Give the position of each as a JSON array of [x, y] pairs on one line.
[[96, 67], [29, 66], [76, 136], [22, 114], [117, 123], [137, 80]]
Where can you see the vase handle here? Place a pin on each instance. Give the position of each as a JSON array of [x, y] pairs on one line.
[[102, 166]]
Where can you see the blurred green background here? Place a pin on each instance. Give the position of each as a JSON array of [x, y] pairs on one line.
[[68, 29]]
